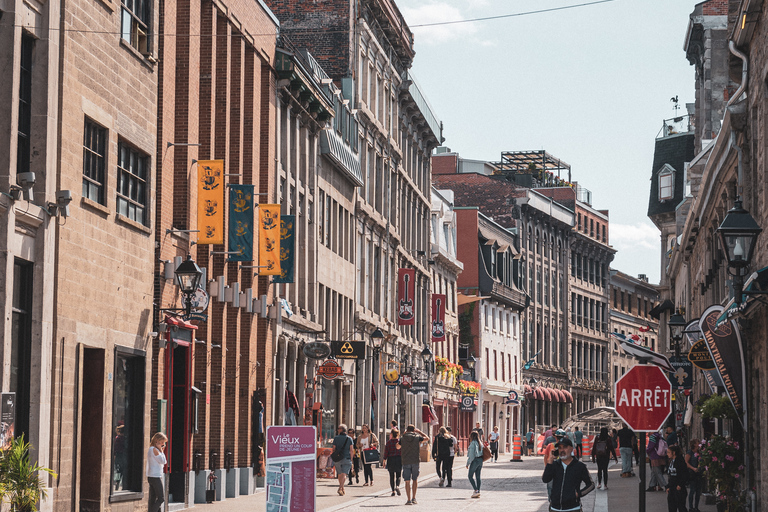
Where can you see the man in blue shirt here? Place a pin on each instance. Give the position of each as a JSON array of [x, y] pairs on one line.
[[343, 444]]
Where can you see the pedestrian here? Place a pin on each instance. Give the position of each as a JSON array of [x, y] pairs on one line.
[[548, 433], [393, 425], [656, 445], [671, 437], [345, 448], [452, 454], [410, 444], [479, 430], [365, 441], [529, 438], [578, 437], [569, 434], [678, 479], [604, 449], [493, 444], [695, 476], [474, 462], [566, 475], [441, 452], [155, 464], [626, 441], [636, 451], [393, 461], [354, 470], [550, 447]]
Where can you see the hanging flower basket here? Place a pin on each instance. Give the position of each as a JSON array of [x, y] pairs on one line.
[[469, 387]]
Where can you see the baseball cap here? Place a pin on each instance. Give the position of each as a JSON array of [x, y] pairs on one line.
[[564, 442]]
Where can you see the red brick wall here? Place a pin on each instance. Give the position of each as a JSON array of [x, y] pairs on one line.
[[715, 8], [467, 247], [445, 164]]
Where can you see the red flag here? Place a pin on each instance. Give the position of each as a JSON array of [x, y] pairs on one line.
[[645, 328], [373, 393], [634, 337], [438, 318], [406, 290]]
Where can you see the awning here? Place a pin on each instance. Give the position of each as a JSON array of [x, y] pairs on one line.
[[568, 396], [597, 417], [547, 393], [538, 393], [178, 322], [527, 391], [642, 352], [658, 309], [560, 396], [333, 146], [497, 393], [466, 299], [757, 282]]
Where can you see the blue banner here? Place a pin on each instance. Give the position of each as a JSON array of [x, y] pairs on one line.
[[287, 249], [241, 222]]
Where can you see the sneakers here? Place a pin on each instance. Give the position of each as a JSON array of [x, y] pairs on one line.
[[442, 481], [449, 485], [397, 490], [605, 488], [476, 494], [409, 502], [393, 493], [599, 486]]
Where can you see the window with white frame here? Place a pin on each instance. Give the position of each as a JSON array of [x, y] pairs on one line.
[[666, 183]]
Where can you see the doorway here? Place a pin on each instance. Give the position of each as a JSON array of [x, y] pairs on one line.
[[178, 363], [91, 431]]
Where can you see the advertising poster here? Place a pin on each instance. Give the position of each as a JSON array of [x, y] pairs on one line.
[[7, 419], [438, 318], [406, 289], [210, 202], [291, 452]]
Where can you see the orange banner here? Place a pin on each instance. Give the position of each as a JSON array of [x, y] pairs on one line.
[[210, 202], [269, 239]]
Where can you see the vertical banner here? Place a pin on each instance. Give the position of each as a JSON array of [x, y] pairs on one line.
[[210, 202], [724, 345], [241, 222], [287, 248], [438, 318], [269, 240], [7, 419], [405, 294], [291, 471]]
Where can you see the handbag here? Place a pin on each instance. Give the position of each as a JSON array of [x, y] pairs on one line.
[[337, 454], [486, 453], [370, 455]]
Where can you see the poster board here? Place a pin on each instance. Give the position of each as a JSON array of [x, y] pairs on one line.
[[7, 419], [291, 477]]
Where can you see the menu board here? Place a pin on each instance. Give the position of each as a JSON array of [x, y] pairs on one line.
[[291, 452]]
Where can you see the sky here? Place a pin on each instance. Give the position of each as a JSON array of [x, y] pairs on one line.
[[590, 85]]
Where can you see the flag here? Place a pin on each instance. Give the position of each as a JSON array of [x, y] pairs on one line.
[[645, 328], [210, 202], [269, 239], [241, 222], [287, 249], [373, 393], [438, 318], [405, 296]]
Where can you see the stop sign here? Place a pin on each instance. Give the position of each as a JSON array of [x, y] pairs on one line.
[[644, 398]]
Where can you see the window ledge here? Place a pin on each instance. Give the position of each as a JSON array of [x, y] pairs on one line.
[[148, 60], [126, 496], [93, 205], [133, 224]]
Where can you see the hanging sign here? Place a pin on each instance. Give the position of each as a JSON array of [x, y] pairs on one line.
[[316, 350], [694, 335], [512, 398], [682, 377], [724, 345], [241, 222], [467, 403], [330, 369], [419, 387], [269, 240], [699, 356], [406, 290], [210, 202], [406, 381], [287, 249], [438, 318], [348, 349], [391, 374]]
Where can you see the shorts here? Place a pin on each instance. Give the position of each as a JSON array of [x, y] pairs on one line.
[[410, 472], [343, 466]]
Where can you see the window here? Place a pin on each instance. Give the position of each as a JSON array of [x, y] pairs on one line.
[[128, 418], [495, 365], [94, 157], [21, 342], [135, 24], [25, 104], [487, 365], [132, 176], [666, 183]]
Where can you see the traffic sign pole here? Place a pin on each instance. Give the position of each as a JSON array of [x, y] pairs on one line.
[[642, 472]]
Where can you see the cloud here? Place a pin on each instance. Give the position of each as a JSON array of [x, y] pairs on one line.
[[632, 237], [437, 12]]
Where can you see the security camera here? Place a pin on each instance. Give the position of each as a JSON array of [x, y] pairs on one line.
[[63, 198], [26, 180]]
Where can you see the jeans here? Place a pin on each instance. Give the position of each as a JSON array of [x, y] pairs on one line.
[[696, 485], [676, 500], [602, 470], [156, 494], [626, 459], [474, 473]]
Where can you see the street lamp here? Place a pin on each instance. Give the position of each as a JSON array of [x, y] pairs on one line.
[[188, 276], [426, 356], [676, 324], [471, 361], [377, 338], [738, 234]]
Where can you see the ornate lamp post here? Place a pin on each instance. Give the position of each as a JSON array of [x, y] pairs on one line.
[[738, 234]]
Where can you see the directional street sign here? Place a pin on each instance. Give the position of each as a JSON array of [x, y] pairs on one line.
[[644, 398]]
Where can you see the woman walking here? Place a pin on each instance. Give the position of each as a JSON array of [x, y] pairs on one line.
[[695, 476], [441, 452], [355, 469], [155, 464], [677, 473], [475, 462], [493, 442], [366, 440], [603, 449], [393, 461]]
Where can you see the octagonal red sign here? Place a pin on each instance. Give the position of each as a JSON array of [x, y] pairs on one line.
[[644, 398]]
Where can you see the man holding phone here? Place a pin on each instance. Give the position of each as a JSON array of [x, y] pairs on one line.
[[567, 474]]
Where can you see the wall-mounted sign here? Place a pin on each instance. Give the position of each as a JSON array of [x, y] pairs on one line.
[[682, 377], [316, 350], [700, 357], [348, 349], [438, 318], [391, 374], [406, 381], [419, 387], [512, 398], [406, 291], [467, 403], [330, 369]]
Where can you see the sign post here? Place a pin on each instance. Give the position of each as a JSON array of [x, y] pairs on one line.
[[644, 402], [291, 465]]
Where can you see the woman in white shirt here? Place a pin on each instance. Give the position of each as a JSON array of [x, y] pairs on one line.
[[155, 464]]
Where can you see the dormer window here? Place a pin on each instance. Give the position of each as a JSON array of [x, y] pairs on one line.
[[666, 183]]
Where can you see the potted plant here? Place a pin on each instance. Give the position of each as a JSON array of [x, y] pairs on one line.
[[20, 485], [723, 468], [469, 387], [716, 407]]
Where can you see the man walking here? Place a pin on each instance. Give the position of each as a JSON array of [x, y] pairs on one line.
[[578, 436], [529, 437], [566, 475], [343, 446], [410, 444], [626, 441]]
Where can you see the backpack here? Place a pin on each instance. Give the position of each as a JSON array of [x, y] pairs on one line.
[[601, 448], [661, 447]]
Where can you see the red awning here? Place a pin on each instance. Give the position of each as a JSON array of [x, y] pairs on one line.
[[555, 395], [563, 398], [547, 393], [527, 390], [538, 394], [568, 397]]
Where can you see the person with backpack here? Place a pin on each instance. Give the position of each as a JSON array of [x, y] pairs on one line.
[[343, 451], [604, 449], [678, 479], [656, 450], [566, 475]]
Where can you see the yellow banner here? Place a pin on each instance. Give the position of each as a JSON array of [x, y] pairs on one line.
[[269, 239], [210, 202]]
